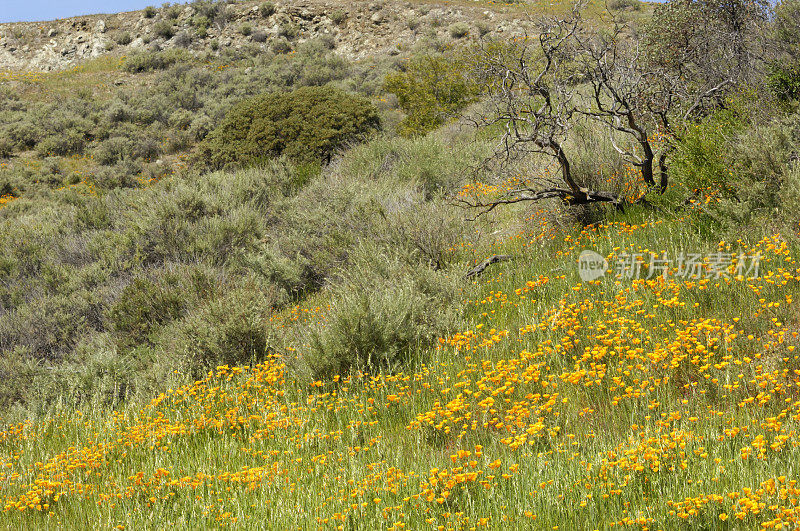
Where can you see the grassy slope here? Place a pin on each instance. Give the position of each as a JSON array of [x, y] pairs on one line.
[[570, 404], [659, 405]]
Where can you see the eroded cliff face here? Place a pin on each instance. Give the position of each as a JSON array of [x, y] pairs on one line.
[[356, 29]]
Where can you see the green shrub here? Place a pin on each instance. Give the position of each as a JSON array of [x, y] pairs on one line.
[[700, 161], [326, 41], [376, 193], [430, 165], [338, 16], [222, 16], [124, 38], [6, 147], [145, 305], [619, 5], [752, 170], [786, 27], [281, 46], [231, 330], [67, 143], [164, 29], [430, 89], [307, 125], [49, 328], [259, 36], [201, 25], [119, 148], [783, 78], [10, 100], [24, 134], [459, 30], [385, 309], [207, 9], [289, 30], [171, 12], [149, 12], [763, 161], [790, 199], [246, 30], [183, 39], [51, 172], [148, 61], [312, 64], [18, 369], [121, 175], [267, 9], [112, 150]]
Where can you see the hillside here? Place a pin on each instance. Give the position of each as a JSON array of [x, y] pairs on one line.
[[401, 266], [358, 29]]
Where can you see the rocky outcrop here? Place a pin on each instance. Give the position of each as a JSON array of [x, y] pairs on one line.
[[357, 29]]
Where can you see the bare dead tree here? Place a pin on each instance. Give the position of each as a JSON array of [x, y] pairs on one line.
[[538, 88], [618, 93], [531, 87]]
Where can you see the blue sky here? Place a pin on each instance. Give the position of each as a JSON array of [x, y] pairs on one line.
[[35, 10]]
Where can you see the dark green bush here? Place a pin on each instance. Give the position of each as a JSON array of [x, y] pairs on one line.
[[149, 12], [281, 45], [201, 25], [123, 174], [751, 169], [49, 328], [10, 100], [307, 125], [113, 150], [699, 160], [17, 370], [783, 78]]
